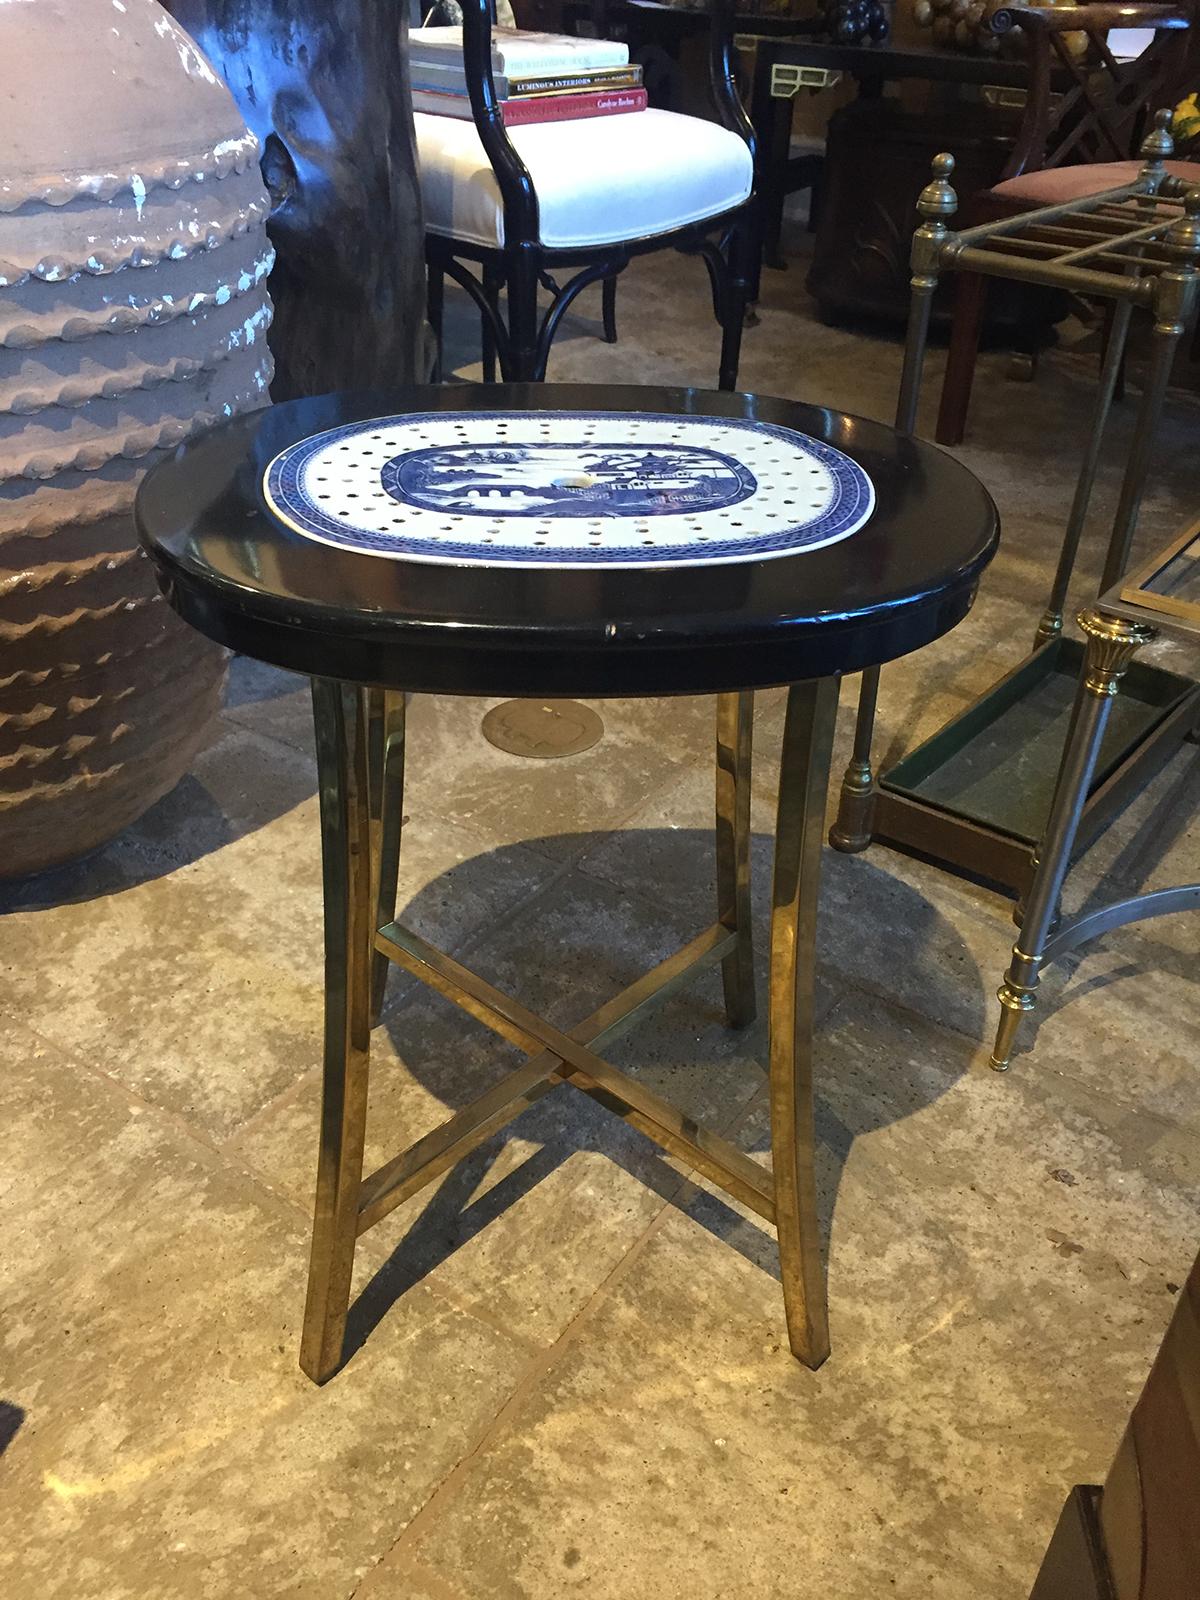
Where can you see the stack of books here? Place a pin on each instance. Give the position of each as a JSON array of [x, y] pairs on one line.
[[539, 77]]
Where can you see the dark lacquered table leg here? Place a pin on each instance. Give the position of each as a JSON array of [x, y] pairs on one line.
[[608, 308], [803, 788], [735, 732], [493, 282], [772, 119], [340, 720]]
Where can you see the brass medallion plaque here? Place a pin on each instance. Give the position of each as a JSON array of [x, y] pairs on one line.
[[542, 729]]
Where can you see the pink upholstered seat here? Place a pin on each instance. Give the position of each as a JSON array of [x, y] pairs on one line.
[[1057, 184]]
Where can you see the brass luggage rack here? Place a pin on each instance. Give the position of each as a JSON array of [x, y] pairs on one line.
[[1165, 592], [956, 800]]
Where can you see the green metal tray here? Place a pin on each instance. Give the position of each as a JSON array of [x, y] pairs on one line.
[[996, 763]]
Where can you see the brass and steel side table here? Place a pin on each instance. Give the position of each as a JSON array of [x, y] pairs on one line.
[[1137, 246], [1165, 593], [517, 540]]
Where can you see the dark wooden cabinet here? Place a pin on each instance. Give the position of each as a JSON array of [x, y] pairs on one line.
[[1139, 1537], [876, 164]]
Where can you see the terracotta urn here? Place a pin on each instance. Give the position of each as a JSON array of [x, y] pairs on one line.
[[133, 314]]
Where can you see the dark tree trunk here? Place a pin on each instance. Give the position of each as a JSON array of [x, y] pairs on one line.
[[324, 85]]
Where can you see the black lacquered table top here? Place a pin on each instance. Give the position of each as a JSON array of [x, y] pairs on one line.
[[237, 574]]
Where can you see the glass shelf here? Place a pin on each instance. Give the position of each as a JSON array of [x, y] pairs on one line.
[[1168, 587]]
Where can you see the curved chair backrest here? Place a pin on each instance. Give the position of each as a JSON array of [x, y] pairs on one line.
[[512, 176]]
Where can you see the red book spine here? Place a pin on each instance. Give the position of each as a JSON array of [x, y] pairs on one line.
[[567, 107]]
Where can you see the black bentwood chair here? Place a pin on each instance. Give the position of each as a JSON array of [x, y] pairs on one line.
[[590, 194]]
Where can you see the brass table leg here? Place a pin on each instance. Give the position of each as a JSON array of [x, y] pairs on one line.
[[340, 719], [803, 787], [386, 710], [735, 733], [1112, 643], [360, 750]]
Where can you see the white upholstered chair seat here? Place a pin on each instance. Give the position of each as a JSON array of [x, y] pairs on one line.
[[598, 181]]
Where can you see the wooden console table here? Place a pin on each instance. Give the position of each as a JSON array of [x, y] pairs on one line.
[[785, 66]]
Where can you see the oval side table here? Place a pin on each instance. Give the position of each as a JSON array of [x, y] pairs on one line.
[[368, 628]]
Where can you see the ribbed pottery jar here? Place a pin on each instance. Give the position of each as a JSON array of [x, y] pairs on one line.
[[133, 314]]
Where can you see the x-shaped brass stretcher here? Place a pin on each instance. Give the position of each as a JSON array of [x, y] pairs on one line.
[[360, 752]]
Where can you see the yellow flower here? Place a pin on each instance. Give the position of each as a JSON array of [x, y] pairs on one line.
[[1185, 123]]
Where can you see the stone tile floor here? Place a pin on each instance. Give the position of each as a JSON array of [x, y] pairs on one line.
[[568, 1369]]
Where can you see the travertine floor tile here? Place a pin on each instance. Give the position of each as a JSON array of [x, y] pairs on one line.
[[170, 1446], [985, 1313], [1120, 1017], [454, 773], [201, 988]]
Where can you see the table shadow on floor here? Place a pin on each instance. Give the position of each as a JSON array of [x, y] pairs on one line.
[[11, 1418], [491, 1179]]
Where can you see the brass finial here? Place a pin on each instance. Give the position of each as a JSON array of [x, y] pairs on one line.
[[938, 198], [1158, 145]]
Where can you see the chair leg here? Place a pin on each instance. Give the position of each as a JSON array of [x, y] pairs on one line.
[[435, 293], [339, 717], [735, 730], [608, 308], [523, 363], [718, 277], [970, 299], [386, 711], [493, 278], [733, 310], [803, 786]]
